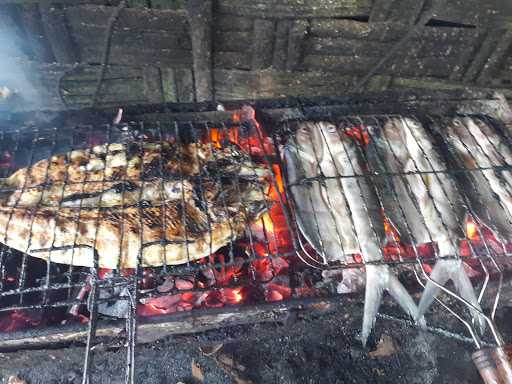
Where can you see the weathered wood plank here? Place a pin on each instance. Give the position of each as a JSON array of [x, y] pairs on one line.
[[169, 85], [56, 30], [185, 85], [404, 11], [153, 85], [281, 44], [296, 39], [262, 43], [496, 58], [232, 60], [200, 17], [482, 54], [294, 8], [232, 41], [30, 18], [113, 72], [64, 2], [139, 57], [233, 84], [353, 47], [233, 23], [125, 89], [408, 66], [385, 31], [131, 18], [93, 37], [168, 4]]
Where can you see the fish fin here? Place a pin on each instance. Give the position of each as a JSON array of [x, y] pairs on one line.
[[440, 275], [443, 271], [467, 292], [378, 279], [372, 299]]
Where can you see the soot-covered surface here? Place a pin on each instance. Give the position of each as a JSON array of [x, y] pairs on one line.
[[321, 350]]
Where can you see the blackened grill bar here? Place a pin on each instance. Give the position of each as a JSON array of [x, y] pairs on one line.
[[246, 281]]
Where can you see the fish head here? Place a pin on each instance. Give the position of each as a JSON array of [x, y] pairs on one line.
[[306, 142], [334, 142]]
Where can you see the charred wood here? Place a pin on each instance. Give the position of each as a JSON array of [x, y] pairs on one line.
[[200, 14]]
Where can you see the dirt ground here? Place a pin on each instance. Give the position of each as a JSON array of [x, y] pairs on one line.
[[309, 350]]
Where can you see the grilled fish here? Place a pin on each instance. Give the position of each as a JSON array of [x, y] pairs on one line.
[[123, 205], [474, 144], [320, 208], [425, 206], [351, 199]]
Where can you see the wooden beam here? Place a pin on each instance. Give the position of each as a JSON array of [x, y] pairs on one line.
[[296, 38], [31, 20], [200, 15], [294, 8], [56, 30], [262, 43], [496, 58], [64, 2], [281, 44], [153, 89]]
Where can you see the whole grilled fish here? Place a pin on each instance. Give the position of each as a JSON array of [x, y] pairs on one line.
[[123, 205], [423, 202], [475, 144], [351, 199], [321, 211]]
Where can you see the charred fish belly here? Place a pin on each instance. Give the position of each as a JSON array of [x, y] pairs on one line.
[[119, 205]]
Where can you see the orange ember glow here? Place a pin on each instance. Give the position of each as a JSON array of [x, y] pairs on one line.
[[472, 230], [358, 133]]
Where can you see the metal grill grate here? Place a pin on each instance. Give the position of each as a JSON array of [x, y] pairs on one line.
[[383, 189]]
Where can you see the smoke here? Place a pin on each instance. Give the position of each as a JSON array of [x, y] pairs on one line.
[[18, 77]]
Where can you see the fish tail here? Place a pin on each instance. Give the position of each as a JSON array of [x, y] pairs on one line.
[[378, 279], [443, 271]]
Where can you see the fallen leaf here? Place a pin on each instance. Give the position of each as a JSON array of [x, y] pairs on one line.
[[209, 350], [385, 347], [197, 373], [15, 380]]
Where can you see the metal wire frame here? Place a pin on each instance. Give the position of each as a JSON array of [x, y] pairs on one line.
[[117, 280], [435, 172]]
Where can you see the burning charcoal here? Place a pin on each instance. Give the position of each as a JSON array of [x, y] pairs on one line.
[[184, 283], [159, 305], [215, 299], [167, 285]]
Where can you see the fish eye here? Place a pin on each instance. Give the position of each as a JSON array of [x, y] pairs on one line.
[[331, 128]]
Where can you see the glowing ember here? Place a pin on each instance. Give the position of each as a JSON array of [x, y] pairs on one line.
[[17, 320]]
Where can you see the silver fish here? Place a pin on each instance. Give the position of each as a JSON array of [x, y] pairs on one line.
[[330, 234], [475, 144], [425, 207], [352, 201]]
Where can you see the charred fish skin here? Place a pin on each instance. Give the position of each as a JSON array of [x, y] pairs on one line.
[[343, 163], [97, 206], [435, 210]]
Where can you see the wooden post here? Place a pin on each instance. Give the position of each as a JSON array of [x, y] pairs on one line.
[[281, 44], [200, 22], [31, 21], [153, 89], [496, 58], [56, 30], [296, 39], [262, 43]]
